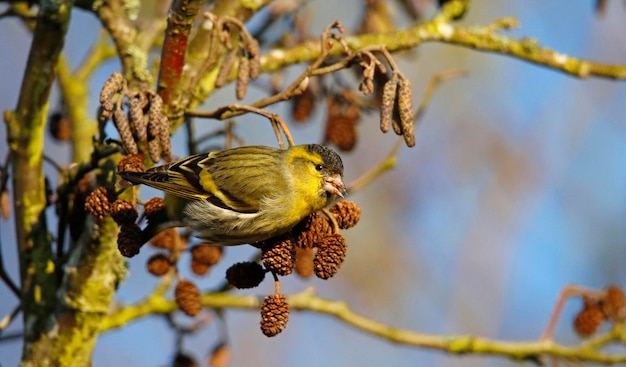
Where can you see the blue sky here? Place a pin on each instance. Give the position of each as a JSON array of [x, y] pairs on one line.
[[516, 188]]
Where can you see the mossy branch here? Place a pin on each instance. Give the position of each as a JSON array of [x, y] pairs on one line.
[[306, 300], [25, 134], [115, 20], [482, 38], [439, 29]]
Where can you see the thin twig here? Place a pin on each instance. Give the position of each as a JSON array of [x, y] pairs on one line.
[[6, 321], [432, 86], [53, 163], [279, 137], [332, 219], [371, 175], [440, 31], [274, 119], [12, 336], [296, 87], [567, 292], [5, 276], [4, 173]]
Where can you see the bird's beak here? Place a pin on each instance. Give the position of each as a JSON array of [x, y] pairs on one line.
[[334, 185]]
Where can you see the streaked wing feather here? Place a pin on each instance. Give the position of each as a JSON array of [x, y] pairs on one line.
[[235, 179], [164, 182], [243, 176]]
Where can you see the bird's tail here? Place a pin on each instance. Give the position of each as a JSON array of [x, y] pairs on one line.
[[151, 177]]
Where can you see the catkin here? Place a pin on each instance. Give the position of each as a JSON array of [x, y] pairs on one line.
[[123, 127], [243, 77], [111, 86], [254, 53], [136, 118], [165, 139], [224, 72], [388, 103], [405, 106]]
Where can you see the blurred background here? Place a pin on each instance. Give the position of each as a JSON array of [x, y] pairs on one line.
[[515, 189]]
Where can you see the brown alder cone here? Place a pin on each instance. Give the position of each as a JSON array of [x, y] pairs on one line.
[[159, 264], [613, 303], [588, 319], [129, 240], [245, 275], [184, 360], [98, 203], [302, 105], [330, 255], [341, 124], [347, 213], [279, 255], [220, 356], [274, 315], [168, 239], [304, 261], [60, 127], [199, 268], [123, 211], [131, 163], [206, 254], [309, 232], [187, 297], [154, 208]]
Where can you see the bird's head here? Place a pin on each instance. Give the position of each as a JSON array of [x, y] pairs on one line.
[[330, 167]]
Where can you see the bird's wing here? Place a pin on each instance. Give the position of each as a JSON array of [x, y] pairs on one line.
[[178, 178], [242, 178], [235, 179]]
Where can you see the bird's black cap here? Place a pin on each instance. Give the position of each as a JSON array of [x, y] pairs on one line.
[[331, 159]]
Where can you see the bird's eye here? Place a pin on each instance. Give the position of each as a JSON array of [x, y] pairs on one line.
[[319, 167]]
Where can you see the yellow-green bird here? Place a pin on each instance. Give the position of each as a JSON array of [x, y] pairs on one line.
[[248, 194]]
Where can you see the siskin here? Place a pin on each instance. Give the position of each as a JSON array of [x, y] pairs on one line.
[[248, 194]]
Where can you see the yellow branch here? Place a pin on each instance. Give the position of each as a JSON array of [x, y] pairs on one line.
[[439, 29], [453, 344]]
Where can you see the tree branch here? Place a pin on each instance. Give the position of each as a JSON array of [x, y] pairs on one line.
[[453, 344], [480, 38], [25, 130], [115, 20], [179, 22]]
